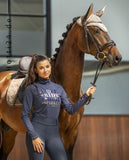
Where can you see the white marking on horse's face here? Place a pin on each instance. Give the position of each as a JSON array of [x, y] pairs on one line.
[[93, 20]]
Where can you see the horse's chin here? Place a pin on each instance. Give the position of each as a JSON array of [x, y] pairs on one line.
[[109, 64]]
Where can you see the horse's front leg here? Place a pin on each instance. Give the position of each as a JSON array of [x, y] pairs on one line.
[[69, 130], [8, 140], [69, 151], [0, 134], [69, 136]]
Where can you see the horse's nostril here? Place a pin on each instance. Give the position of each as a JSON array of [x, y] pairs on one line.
[[117, 58]]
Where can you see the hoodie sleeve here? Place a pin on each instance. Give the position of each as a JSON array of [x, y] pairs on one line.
[[71, 109], [26, 109]]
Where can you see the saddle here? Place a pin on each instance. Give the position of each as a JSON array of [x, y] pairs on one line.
[[15, 90]]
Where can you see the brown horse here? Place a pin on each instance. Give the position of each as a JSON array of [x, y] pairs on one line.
[[86, 34]]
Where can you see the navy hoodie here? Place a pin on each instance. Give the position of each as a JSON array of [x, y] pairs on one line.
[[46, 100]]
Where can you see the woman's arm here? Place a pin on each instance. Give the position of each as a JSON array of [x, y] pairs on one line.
[[71, 109], [26, 109]]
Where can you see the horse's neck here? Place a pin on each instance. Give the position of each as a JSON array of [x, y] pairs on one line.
[[69, 66]]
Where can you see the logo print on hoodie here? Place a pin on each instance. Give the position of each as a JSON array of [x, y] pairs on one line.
[[48, 97]]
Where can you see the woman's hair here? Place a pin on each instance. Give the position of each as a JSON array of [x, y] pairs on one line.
[[32, 75]]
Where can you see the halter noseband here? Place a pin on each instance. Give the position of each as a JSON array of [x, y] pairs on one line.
[[100, 55]]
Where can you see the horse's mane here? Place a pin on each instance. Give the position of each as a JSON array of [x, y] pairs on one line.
[[64, 35]]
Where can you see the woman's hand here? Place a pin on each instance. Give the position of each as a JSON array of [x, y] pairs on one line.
[[38, 145], [91, 90]]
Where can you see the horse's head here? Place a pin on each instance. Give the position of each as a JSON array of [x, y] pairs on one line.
[[94, 38]]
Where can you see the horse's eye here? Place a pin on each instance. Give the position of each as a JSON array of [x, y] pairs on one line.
[[96, 31]]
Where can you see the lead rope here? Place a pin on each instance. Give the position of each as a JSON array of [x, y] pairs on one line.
[[99, 68]]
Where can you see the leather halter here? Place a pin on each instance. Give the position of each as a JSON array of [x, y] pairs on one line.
[[100, 55]]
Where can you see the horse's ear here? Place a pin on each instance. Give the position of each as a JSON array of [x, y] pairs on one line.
[[83, 19], [100, 12], [89, 12]]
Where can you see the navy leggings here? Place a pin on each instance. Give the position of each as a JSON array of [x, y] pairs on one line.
[[48, 131]]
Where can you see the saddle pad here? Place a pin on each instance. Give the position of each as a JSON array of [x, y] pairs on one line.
[[12, 92]]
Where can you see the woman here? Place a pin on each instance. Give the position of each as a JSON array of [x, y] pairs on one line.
[[46, 98]]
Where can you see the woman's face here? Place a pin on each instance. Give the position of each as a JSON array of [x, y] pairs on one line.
[[43, 69]]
